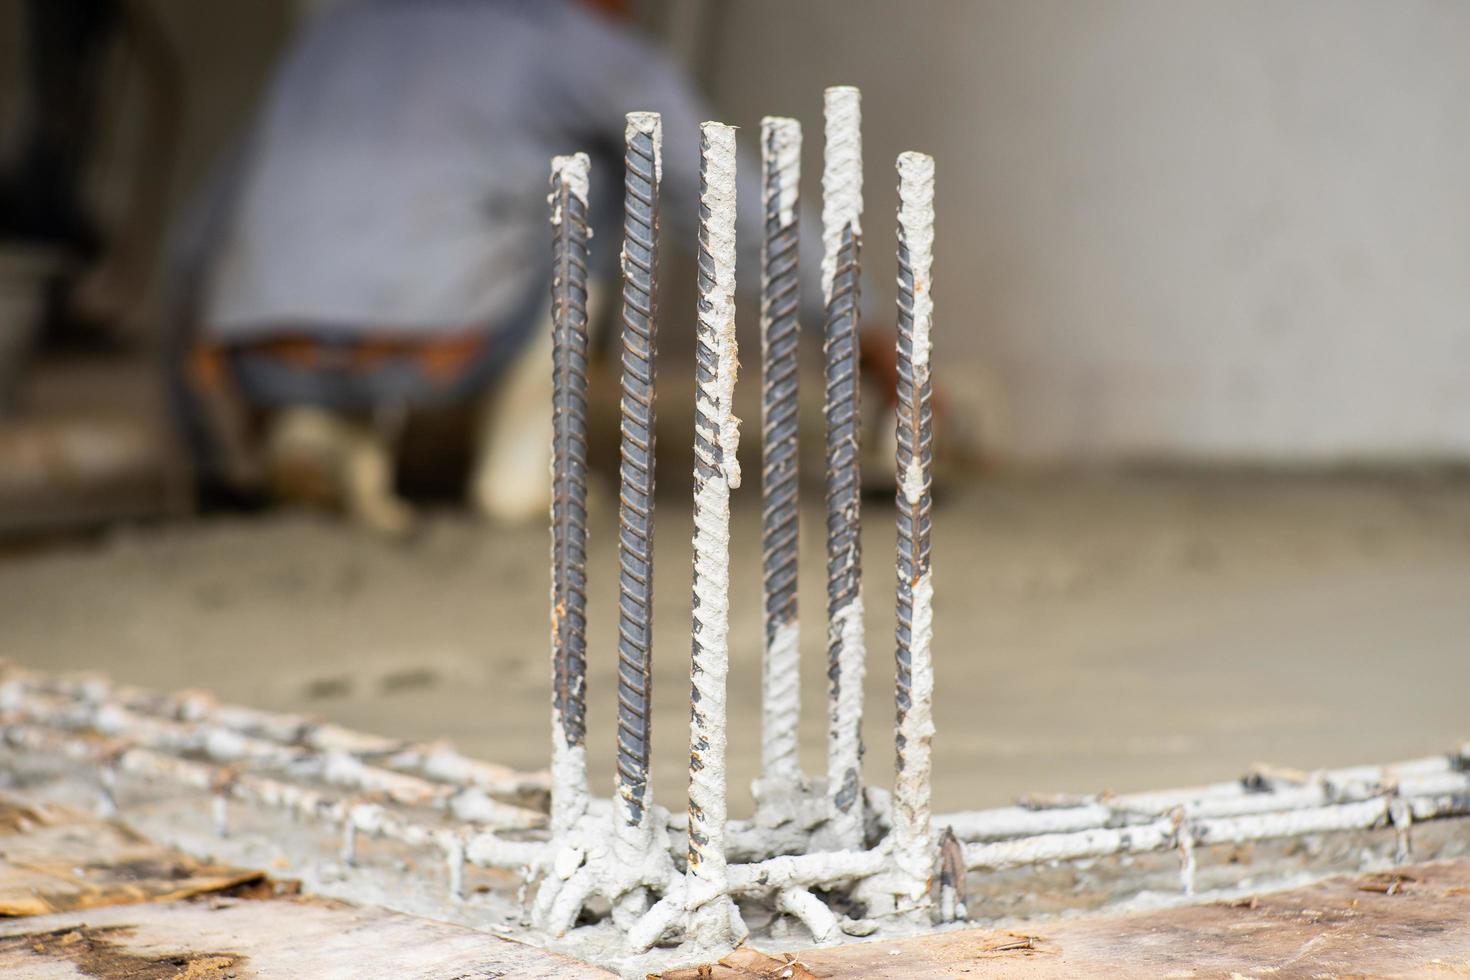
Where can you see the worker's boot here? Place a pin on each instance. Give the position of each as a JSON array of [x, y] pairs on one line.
[[511, 480], [319, 457]]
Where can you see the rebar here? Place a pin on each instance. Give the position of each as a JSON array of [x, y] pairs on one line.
[[1243, 797], [569, 238], [842, 205], [1168, 831], [126, 733], [914, 690], [642, 159], [780, 336], [809, 858], [712, 915]]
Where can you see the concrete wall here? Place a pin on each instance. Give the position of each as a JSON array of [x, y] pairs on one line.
[[223, 50], [1204, 229], [1231, 229]]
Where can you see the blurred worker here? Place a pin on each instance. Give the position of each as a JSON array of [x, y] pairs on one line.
[[379, 243]]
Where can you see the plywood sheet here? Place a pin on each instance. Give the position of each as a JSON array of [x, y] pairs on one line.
[[1413, 921], [54, 859], [215, 938]]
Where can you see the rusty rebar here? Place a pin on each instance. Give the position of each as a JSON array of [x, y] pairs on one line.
[[780, 336], [643, 138], [842, 245], [914, 725], [569, 175], [716, 472]]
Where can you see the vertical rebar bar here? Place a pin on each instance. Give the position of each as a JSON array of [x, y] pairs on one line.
[[914, 728], [569, 236], [643, 146], [842, 205], [716, 472], [780, 335]]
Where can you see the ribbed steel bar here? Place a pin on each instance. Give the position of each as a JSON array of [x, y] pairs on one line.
[[249, 758], [914, 727], [716, 472], [569, 488], [780, 334], [842, 205], [643, 139]]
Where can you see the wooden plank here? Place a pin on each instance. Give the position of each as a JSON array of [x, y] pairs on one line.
[[54, 859], [1408, 922], [214, 938]]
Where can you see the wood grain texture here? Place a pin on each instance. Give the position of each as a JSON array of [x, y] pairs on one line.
[[1412, 921], [282, 938], [55, 859]]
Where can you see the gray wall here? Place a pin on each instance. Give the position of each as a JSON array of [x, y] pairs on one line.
[[1204, 229], [1234, 229], [224, 50]]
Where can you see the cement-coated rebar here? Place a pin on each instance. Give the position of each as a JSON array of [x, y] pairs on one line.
[[223, 750], [644, 137], [716, 472], [914, 690], [842, 205], [780, 333], [569, 177]]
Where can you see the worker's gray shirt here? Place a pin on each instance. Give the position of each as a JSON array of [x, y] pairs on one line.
[[396, 177]]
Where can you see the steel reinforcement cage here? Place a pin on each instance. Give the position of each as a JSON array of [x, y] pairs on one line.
[[837, 856]]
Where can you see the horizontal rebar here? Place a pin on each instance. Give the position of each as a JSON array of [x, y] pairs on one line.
[[90, 727], [1171, 831], [1215, 800], [434, 760]]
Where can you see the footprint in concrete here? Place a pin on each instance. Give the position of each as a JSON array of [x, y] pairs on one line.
[[410, 679], [328, 688]]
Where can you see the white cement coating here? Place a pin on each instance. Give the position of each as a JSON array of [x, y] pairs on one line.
[[365, 833], [631, 823], [913, 842], [569, 792], [590, 861], [842, 176], [1427, 778], [652, 124], [572, 170], [842, 205], [442, 762], [335, 767], [780, 672], [781, 146], [916, 231], [719, 198], [711, 914], [812, 912], [913, 482], [818, 869], [781, 706], [638, 123], [845, 713], [1179, 830]]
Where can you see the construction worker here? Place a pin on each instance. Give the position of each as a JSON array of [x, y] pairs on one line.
[[379, 242]]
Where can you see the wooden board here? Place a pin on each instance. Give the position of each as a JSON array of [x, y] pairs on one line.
[[215, 938], [54, 859], [1414, 921]]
